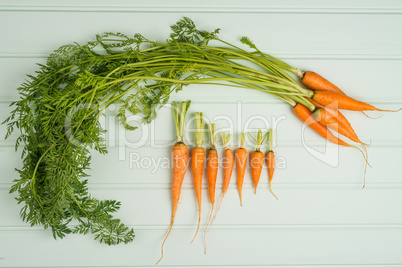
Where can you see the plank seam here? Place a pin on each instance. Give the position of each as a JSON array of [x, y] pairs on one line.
[[201, 9]]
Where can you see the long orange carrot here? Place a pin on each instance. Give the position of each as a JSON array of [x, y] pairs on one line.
[[335, 120], [316, 82], [228, 162], [271, 162], [305, 115], [180, 160], [197, 164], [341, 101], [212, 172], [257, 159], [241, 163]]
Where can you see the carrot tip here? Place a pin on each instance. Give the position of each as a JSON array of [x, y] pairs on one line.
[[273, 194], [371, 117], [391, 111]]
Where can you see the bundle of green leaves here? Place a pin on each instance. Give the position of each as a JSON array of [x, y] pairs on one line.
[[59, 107]]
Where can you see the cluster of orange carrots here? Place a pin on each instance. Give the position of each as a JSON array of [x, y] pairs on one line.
[[180, 156], [327, 100]]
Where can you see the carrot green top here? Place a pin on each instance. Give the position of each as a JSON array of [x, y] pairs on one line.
[[226, 139], [271, 139], [260, 139], [212, 135], [199, 133], [179, 114], [242, 139]]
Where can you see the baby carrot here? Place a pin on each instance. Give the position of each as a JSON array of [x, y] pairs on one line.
[[241, 163], [212, 172], [228, 162], [271, 161], [197, 164], [180, 160], [257, 159]]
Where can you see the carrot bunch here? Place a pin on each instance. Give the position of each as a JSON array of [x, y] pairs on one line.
[[328, 99]]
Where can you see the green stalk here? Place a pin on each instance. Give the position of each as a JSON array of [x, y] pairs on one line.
[[199, 133], [179, 114], [226, 140], [212, 135], [271, 139], [259, 140]]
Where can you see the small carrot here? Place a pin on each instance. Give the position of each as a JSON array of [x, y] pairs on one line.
[[257, 159], [212, 172], [197, 164], [335, 120], [271, 161], [241, 163], [180, 160], [228, 162], [340, 101]]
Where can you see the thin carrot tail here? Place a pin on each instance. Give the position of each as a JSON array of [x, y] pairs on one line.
[[163, 243], [241, 198], [219, 207], [392, 111], [364, 156], [371, 117], [270, 189], [365, 169], [206, 229], [198, 226]]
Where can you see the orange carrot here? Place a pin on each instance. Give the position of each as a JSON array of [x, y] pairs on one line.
[[257, 159], [339, 101], [271, 162], [305, 115], [228, 162], [212, 172], [335, 120], [316, 82], [180, 160], [197, 164], [241, 163]]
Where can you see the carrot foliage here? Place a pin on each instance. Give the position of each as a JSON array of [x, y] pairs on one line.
[[57, 114]]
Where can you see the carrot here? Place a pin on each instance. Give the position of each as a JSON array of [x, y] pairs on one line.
[[228, 162], [212, 172], [335, 120], [316, 82], [339, 101], [305, 115], [180, 160], [197, 164], [271, 162], [257, 159], [241, 163]]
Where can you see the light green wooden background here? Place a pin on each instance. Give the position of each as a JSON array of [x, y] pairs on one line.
[[322, 219]]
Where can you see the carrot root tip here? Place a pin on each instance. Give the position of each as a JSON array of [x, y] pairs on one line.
[[371, 117]]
